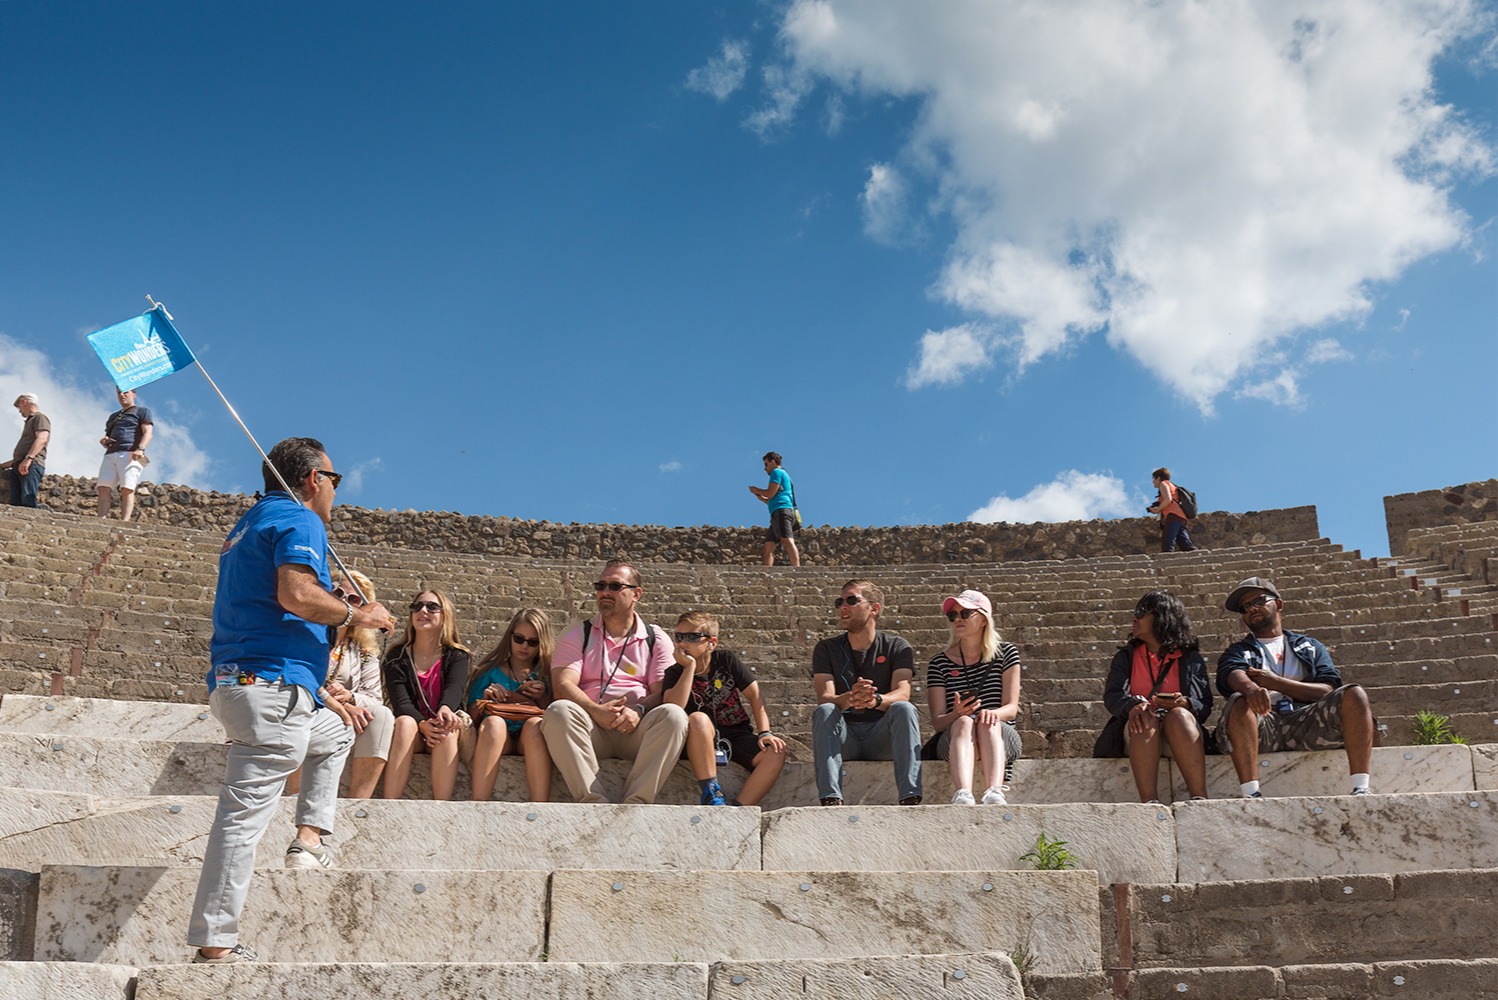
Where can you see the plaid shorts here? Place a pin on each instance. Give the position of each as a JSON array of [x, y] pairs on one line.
[[1316, 726]]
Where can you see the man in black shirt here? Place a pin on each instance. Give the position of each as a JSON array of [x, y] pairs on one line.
[[126, 434], [862, 680]]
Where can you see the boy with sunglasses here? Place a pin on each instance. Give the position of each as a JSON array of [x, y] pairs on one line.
[[862, 681], [712, 685]]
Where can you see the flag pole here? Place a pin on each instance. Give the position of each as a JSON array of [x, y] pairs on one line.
[[269, 464]]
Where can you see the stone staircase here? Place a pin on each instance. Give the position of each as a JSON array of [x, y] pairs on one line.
[[111, 764]]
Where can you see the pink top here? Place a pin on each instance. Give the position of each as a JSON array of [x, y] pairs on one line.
[[628, 666], [1146, 667], [431, 683]]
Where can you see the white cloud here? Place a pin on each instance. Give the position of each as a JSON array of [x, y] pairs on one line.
[[353, 479], [671, 466], [1071, 496], [1203, 181], [1283, 389], [949, 356], [723, 74], [1324, 351], [78, 414], [883, 201]]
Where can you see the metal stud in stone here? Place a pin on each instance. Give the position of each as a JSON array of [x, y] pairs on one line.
[[805, 887], [737, 980], [53, 708], [987, 887], [618, 886], [1008, 817], [1317, 810], [174, 810], [1165, 898], [1398, 980], [959, 973], [1162, 816], [1347, 890], [1181, 987], [696, 820], [58, 746], [419, 887], [1409, 756], [360, 813], [1474, 805]]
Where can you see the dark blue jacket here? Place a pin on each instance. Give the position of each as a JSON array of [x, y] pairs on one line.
[[1118, 699], [1247, 652]]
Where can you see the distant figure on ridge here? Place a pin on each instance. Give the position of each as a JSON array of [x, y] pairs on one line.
[[272, 614], [608, 677], [1172, 516], [28, 462], [780, 495], [726, 712], [126, 434], [972, 690], [862, 683], [1284, 694]]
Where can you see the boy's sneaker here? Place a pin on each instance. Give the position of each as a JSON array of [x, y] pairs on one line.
[[964, 797], [304, 855], [831, 800], [911, 800], [1362, 790], [995, 797], [238, 953], [1255, 795], [712, 794]]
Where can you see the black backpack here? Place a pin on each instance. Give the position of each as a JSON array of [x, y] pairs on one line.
[[649, 636], [1187, 500]]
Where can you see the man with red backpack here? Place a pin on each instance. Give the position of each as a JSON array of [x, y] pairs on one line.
[[1176, 505]]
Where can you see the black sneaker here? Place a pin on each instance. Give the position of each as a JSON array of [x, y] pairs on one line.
[[913, 800], [832, 800]]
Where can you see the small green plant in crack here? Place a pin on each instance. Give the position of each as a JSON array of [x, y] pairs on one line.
[[1023, 959], [1433, 729], [1049, 855]]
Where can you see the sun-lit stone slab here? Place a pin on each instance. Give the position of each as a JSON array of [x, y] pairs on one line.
[[476, 981], [65, 981], [1339, 835], [138, 720], [1485, 766], [1121, 842], [872, 782], [989, 976], [791, 916], [104, 766], [1324, 772], [139, 916], [157, 830]]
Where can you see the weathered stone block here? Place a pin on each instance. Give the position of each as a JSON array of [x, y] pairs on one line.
[[441, 981], [1121, 842], [65, 981], [139, 916], [18, 891], [988, 976], [789, 916], [1324, 772]]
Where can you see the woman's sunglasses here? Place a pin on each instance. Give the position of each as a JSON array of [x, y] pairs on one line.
[[964, 614], [431, 606], [521, 640], [348, 597]]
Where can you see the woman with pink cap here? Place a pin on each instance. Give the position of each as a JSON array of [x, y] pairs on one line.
[[972, 690]]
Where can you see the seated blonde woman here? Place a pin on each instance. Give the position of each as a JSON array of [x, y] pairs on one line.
[[515, 675], [425, 671], [354, 679]]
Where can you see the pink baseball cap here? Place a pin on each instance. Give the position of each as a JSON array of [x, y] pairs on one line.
[[969, 599]]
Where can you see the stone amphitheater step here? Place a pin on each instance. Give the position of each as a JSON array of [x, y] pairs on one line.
[[989, 976], [67, 981], [138, 916], [1435, 979]]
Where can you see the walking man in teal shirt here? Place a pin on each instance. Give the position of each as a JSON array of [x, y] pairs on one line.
[[781, 498]]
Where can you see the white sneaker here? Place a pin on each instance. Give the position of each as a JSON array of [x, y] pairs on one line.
[[994, 797], [963, 798], [303, 855]]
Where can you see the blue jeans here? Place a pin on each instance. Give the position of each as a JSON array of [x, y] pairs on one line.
[[894, 735], [1174, 532], [23, 489]]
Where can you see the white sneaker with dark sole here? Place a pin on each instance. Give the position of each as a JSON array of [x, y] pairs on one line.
[[304, 855], [238, 953], [963, 797]]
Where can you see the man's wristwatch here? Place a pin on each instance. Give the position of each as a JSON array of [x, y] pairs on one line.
[[878, 699]]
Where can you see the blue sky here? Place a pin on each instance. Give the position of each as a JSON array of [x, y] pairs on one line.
[[588, 261]]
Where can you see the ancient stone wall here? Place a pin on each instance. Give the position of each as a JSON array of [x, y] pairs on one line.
[[1453, 505], [827, 545]]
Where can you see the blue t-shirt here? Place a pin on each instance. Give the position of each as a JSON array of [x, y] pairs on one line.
[[123, 428], [252, 633], [784, 500], [496, 675]]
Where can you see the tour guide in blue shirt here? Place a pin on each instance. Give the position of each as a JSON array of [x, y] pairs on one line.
[[271, 618]]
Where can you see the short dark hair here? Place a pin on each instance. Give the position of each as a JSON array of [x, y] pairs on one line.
[[295, 457], [772, 456], [1161, 473], [867, 589], [634, 574], [1172, 624]]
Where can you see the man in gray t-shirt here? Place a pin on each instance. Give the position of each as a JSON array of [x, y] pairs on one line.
[[28, 462]]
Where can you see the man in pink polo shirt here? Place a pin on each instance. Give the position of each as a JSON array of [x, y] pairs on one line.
[[608, 674]]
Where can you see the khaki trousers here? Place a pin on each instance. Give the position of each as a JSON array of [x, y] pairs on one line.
[[576, 744]]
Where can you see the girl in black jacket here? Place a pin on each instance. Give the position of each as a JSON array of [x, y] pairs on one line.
[[425, 671]]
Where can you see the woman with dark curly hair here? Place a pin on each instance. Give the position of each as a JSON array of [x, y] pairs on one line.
[[1158, 685]]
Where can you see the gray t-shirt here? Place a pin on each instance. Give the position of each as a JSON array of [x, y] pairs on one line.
[[35, 424]]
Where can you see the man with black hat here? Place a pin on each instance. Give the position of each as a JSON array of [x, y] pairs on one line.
[[1283, 693]]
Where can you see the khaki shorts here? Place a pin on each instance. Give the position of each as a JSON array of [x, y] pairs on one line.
[[1316, 726]]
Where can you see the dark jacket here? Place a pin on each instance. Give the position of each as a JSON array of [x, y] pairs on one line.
[[1247, 652], [1118, 699], [404, 691]]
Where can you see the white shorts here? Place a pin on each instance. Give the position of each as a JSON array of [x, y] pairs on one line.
[[120, 470]]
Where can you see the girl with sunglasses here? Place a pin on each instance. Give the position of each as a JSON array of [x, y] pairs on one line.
[[972, 691], [516, 672], [1159, 696], [354, 679], [425, 671]]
